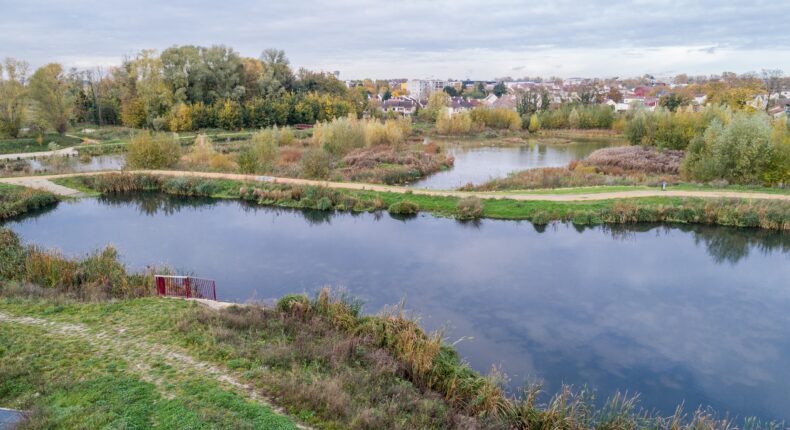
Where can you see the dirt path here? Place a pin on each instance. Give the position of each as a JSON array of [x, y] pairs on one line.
[[143, 354], [43, 182]]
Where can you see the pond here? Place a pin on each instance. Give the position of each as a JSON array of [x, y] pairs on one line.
[[677, 313], [76, 164], [478, 164]]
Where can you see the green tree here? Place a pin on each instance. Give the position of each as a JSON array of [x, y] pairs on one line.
[[528, 102], [229, 115], [437, 102], [49, 91], [451, 91], [500, 89], [673, 101], [13, 96], [277, 76]]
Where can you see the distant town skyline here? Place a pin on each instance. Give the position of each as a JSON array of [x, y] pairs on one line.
[[416, 39]]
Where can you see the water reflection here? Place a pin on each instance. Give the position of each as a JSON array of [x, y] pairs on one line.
[[77, 164], [677, 313], [479, 164]]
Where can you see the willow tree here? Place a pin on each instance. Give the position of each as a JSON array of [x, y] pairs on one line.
[[12, 96], [49, 92]]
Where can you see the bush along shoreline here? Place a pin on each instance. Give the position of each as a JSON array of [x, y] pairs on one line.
[[16, 201], [320, 358], [733, 212]]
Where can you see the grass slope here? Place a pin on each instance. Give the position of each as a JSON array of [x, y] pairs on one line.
[[68, 382]]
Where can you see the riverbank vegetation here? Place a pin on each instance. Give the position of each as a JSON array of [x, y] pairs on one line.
[[721, 144], [768, 214], [15, 201], [321, 359]]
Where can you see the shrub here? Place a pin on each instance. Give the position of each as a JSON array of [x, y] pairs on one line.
[[469, 208], [12, 256], [340, 136], [739, 152], [266, 149], [153, 151], [289, 302], [204, 156], [636, 158], [315, 164], [460, 123], [247, 161], [534, 123], [404, 207], [386, 133], [497, 118]]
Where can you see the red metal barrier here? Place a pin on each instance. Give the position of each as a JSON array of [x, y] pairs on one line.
[[186, 286]]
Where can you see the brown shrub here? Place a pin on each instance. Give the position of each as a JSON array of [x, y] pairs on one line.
[[636, 158], [289, 156]]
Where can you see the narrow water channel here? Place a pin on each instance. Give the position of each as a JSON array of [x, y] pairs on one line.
[[677, 313]]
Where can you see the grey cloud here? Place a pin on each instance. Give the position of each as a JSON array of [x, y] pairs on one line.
[[354, 30]]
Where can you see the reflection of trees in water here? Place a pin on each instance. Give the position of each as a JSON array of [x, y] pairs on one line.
[[472, 224], [723, 244], [33, 214], [156, 203], [732, 244], [151, 204]]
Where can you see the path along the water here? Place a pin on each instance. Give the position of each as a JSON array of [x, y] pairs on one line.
[[44, 182]]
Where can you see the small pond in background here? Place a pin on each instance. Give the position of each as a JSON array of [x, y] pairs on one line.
[[478, 164], [76, 164]]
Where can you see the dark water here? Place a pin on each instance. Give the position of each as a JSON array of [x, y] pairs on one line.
[[699, 315], [481, 164]]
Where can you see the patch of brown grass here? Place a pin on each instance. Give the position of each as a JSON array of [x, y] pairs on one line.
[[637, 159]]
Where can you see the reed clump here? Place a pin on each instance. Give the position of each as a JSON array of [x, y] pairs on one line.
[[98, 275], [15, 201]]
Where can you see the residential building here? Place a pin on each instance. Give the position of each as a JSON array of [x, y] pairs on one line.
[[405, 106], [422, 88]]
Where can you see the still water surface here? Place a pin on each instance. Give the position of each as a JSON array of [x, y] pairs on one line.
[[75, 164], [679, 314], [478, 164]]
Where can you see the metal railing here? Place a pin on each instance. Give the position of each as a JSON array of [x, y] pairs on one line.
[[186, 286]]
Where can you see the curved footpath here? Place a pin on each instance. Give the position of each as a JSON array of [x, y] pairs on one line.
[[43, 182]]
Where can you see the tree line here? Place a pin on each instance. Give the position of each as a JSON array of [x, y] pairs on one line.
[[182, 88]]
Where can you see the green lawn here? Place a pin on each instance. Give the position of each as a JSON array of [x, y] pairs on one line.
[[29, 144], [70, 381]]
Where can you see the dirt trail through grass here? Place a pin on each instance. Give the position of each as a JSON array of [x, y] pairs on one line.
[[40, 182], [143, 354]]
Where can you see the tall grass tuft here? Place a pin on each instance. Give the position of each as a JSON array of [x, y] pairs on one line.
[[97, 275]]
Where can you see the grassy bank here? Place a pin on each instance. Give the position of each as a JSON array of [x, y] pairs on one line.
[[730, 212], [15, 201], [33, 144], [80, 352], [66, 377]]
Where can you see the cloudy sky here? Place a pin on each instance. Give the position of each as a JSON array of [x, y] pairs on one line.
[[479, 39]]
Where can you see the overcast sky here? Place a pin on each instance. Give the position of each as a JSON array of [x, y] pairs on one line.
[[479, 39]]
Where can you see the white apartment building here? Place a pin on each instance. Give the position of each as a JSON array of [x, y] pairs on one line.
[[420, 88]]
